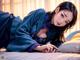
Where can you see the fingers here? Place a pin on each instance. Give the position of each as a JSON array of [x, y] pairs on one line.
[[54, 47], [49, 48], [45, 50], [2, 49], [54, 50]]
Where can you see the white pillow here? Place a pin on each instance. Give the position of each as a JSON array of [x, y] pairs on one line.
[[70, 46]]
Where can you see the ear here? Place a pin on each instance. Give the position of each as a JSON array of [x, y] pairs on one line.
[[57, 10]]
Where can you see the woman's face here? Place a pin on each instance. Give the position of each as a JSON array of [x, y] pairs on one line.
[[62, 18]]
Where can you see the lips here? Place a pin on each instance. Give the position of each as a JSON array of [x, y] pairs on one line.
[[58, 23]]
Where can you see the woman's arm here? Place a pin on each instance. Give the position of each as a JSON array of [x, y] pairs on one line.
[[23, 41]]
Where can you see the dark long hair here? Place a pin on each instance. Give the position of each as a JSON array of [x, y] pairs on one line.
[[66, 6]]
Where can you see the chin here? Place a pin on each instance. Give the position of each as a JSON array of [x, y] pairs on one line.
[[59, 26]]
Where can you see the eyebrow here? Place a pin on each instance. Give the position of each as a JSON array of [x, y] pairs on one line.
[[65, 14]]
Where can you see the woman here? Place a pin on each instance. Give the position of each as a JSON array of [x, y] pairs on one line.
[[44, 31], [8, 25]]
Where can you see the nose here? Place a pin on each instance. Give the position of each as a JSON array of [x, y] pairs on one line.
[[62, 21]]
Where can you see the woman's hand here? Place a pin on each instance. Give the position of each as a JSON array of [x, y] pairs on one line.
[[2, 49], [46, 48]]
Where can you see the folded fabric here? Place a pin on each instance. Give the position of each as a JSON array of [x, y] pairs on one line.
[[73, 45], [70, 47]]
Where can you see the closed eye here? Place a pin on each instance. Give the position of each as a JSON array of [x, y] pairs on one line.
[[62, 15]]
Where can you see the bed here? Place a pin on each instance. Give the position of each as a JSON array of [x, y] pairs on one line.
[[67, 51], [38, 56]]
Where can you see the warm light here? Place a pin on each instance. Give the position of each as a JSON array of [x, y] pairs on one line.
[[23, 7]]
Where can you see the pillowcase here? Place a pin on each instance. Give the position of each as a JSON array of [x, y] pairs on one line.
[[76, 37], [70, 47]]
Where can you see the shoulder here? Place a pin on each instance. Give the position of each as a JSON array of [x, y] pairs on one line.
[[37, 11], [40, 10]]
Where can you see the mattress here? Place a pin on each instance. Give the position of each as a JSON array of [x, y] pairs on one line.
[[38, 56]]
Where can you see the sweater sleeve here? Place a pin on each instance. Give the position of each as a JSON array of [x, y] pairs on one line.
[[23, 41]]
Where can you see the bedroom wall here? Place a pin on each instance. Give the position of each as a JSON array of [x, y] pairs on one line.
[[23, 7]]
